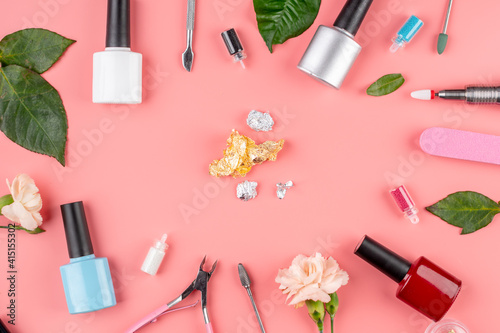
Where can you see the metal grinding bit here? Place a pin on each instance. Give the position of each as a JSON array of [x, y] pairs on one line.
[[245, 282], [443, 37]]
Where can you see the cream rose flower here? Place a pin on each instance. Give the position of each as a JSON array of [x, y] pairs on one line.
[[27, 203], [311, 278]]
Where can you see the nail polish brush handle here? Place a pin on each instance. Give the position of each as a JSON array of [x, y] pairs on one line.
[[352, 14], [118, 23]]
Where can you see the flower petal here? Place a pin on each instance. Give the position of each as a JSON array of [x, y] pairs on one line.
[[311, 278], [18, 214], [10, 211]]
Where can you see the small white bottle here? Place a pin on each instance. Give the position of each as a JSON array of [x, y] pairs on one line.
[[117, 73], [155, 256]]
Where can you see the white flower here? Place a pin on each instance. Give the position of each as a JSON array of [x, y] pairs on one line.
[[311, 278], [27, 203]]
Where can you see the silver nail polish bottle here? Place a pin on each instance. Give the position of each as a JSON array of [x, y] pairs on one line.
[[332, 51]]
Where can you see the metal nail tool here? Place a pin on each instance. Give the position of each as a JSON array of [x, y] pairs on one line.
[[245, 282], [200, 283], [188, 55]]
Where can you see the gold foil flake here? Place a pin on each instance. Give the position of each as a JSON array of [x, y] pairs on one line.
[[242, 153]]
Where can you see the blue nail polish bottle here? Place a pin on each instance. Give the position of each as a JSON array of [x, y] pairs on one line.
[[86, 279], [406, 33]]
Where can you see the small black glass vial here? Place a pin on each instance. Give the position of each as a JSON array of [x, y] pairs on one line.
[[234, 46]]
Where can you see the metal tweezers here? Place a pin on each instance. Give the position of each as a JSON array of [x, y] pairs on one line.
[[200, 283]]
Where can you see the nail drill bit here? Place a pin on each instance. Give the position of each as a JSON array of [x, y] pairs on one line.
[[443, 37], [471, 94], [245, 282]]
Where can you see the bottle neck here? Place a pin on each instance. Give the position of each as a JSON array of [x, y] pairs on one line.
[[123, 49], [84, 258], [345, 32]]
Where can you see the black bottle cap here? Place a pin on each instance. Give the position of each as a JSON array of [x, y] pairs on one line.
[[232, 41], [352, 15], [3, 329], [118, 26], [383, 259], [77, 230]]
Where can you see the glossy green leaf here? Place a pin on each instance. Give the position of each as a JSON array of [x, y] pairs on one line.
[[36, 49], [31, 112], [386, 85], [468, 210], [280, 20]]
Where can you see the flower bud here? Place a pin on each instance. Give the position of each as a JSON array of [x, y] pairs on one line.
[[26, 205], [316, 311], [333, 305]]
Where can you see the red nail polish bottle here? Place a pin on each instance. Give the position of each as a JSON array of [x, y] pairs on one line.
[[422, 285]]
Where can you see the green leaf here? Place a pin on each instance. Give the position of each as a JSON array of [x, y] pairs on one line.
[[33, 232], [5, 201], [280, 20], [468, 210], [36, 49], [18, 227], [386, 85], [31, 112]]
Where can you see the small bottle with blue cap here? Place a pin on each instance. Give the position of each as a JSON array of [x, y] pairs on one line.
[[406, 33]]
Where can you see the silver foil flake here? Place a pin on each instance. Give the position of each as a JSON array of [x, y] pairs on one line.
[[282, 188], [260, 121], [246, 190]]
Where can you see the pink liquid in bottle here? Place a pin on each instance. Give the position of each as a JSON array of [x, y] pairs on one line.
[[405, 203]]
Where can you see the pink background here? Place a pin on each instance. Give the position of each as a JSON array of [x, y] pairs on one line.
[[144, 165]]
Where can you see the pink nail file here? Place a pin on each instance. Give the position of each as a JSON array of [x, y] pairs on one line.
[[462, 145]]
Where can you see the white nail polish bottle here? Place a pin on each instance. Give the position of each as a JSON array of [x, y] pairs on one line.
[[155, 256], [117, 77]]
